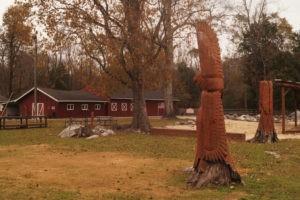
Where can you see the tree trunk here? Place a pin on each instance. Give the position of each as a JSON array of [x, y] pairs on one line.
[[169, 59], [266, 130], [168, 95], [11, 64], [215, 174], [140, 119]]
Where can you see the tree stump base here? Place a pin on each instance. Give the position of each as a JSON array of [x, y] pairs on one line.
[[218, 174], [262, 137]]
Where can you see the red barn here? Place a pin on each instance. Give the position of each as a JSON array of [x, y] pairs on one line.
[[81, 103], [121, 104], [61, 103]]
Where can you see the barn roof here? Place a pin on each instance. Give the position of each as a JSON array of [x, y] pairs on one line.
[[3, 99], [149, 95], [66, 95]]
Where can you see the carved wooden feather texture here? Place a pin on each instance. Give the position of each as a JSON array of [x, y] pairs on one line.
[[211, 135], [266, 121]]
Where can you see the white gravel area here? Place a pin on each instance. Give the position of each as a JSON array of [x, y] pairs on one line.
[[237, 126]]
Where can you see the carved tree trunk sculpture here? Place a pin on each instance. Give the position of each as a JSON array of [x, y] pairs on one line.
[[266, 130], [213, 164]]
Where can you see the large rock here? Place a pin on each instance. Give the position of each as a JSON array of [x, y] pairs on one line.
[[100, 130], [81, 131], [71, 131], [76, 130]]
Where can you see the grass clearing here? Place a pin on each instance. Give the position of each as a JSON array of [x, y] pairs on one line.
[[36, 164]]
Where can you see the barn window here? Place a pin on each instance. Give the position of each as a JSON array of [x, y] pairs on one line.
[[84, 106], [69, 107], [131, 107], [124, 106], [114, 106], [97, 106]]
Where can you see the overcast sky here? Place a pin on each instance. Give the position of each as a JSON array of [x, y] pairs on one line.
[[290, 9]]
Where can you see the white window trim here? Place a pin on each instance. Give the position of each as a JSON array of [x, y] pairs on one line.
[[131, 107], [161, 105], [70, 106], [84, 106], [124, 107], [97, 106], [114, 107]]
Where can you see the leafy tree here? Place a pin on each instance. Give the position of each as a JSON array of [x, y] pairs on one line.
[[122, 37], [186, 90], [59, 78], [15, 37], [265, 43], [235, 91]]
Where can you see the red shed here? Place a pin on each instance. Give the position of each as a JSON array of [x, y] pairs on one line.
[[62, 103], [3, 100], [121, 103]]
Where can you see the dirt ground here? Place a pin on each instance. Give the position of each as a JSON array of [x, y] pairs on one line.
[[90, 172], [246, 127]]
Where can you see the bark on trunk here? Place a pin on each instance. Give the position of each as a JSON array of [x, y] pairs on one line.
[[140, 119], [169, 56], [215, 174], [11, 67], [133, 12], [266, 131], [169, 106]]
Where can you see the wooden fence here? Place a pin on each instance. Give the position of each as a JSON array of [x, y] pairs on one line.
[[18, 122], [105, 121]]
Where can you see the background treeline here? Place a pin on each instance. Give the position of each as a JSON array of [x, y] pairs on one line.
[[266, 48]]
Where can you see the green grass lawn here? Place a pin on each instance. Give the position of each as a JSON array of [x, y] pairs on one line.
[[142, 167]]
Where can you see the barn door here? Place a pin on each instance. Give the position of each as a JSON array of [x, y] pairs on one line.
[[40, 109]]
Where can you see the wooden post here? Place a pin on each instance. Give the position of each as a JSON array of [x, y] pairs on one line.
[[295, 101], [26, 119], [46, 122], [283, 109], [40, 123], [92, 119]]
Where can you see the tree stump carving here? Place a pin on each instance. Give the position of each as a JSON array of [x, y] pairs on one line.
[[266, 130], [213, 163]]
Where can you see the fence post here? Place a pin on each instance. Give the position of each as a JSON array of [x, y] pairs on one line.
[[46, 122], [92, 119]]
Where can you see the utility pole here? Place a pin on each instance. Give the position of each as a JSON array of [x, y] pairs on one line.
[[34, 71]]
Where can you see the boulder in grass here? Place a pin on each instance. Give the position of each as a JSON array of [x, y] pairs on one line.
[[92, 137], [100, 130], [71, 131], [76, 130]]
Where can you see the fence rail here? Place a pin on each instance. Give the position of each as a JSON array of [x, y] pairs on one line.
[[18, 122], [241, 111], [106, 121]]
